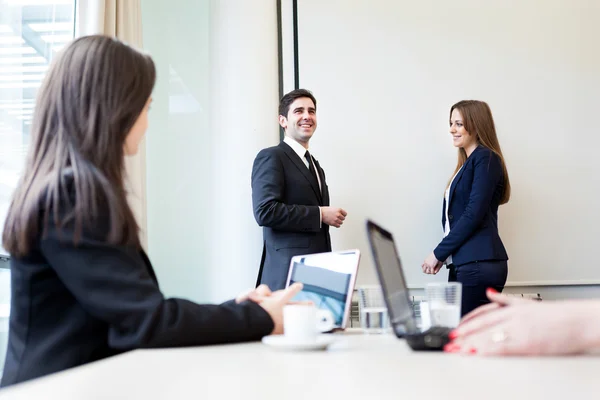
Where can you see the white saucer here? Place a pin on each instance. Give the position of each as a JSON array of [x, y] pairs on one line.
[[281, 342]]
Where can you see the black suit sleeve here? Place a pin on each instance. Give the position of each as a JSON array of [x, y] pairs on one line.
[[268, 186], [113, 284]]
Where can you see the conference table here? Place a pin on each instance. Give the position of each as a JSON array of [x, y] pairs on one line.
[[355, 366]]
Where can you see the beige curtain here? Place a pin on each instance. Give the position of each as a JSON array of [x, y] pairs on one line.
[[122, 19]]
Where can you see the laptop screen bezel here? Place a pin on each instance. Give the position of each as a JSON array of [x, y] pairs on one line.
[[407, 325]]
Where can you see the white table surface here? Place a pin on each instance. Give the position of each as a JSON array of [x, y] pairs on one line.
[[356, 366]]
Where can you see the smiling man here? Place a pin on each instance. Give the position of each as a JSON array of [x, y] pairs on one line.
[[289, 193]]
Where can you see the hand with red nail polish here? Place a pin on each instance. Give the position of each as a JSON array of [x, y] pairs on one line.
[[451, 348], [497, 300], [515, 326]]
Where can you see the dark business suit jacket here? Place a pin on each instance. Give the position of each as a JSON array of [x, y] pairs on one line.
[[286, 200], [472, 205], [72, 305]]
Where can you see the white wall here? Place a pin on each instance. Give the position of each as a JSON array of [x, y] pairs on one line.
[[177, 151], [184, 202], [215, 106], [244, 100], [385, 75]]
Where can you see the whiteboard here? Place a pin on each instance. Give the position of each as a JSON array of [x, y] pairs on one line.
[[385, 74]]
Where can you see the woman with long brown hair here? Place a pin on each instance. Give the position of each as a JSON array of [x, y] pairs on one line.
[[472, 248], [82, 287]]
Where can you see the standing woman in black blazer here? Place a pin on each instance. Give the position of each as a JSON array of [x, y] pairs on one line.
[[472, 248], [82, 287]]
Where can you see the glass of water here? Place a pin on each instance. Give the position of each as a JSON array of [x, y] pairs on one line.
[[373, 312], [444, 303]]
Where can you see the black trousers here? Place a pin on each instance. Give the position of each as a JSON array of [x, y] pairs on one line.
[[476, 278]]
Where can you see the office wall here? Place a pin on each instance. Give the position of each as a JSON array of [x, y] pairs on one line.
[[177, 144], [385, 80], [215, 107], [193, 259]]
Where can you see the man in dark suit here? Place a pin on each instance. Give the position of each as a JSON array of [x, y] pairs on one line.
[[289, 193]]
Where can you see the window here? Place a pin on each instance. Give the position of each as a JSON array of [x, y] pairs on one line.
[[31, 32]]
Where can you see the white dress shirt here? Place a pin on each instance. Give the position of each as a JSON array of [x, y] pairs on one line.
[[447, 224], [301, 151]]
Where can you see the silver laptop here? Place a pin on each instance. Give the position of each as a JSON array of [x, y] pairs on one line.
[[328, 280]]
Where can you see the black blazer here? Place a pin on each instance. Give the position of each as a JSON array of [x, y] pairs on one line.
[[286, 200], [473, 211], [72, 305]]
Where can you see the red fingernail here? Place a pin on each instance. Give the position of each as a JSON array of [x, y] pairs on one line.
[[453, 335], [451, 348], [492, 290], [473, 351]]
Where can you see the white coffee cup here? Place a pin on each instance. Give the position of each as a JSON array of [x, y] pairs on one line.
[[303, 322]]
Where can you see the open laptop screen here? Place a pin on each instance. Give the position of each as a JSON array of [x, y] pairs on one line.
[[328, 280], [391, 277]]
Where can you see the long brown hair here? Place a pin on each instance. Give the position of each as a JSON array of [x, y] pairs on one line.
[[90, 99], [478, 121]]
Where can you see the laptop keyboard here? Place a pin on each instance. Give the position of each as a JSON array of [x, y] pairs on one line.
[[438, 331]]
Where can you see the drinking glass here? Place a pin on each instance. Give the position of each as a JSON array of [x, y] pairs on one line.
[[373, 312], [444, 303]]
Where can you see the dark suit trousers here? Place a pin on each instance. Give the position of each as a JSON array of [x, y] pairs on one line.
[[476, 278]]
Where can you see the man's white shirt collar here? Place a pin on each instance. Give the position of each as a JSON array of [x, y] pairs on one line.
[[301, 151], [297, 147]]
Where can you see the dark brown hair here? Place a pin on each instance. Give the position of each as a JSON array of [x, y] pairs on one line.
[[478, 121], [287, 100], [90, 99]]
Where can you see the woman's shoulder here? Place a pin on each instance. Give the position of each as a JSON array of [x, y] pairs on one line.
[[62, 210], [56, 187], [484, 159], [484, 153]]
